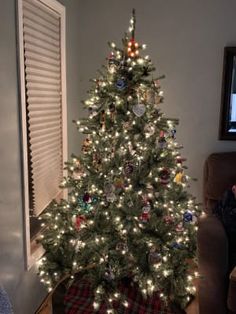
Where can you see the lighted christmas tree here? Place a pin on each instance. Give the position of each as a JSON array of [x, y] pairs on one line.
[[128, 212]]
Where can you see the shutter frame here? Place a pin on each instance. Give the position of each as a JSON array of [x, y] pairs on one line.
[[45, 96]]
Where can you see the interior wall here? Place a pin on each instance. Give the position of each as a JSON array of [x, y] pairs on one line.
[[185, 40]]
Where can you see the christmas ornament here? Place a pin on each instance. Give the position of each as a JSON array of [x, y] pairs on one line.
[[119, 183], [179, 177], [168, 220], [161, 143], [86, 198], [139, 110], [86, 145], [188, 216], [128, 168], [78, 245], [112, 64], [154, 257], [173, 133], [176, 245], [145, 216], [132, 49], [180, 227], [78, 170], [112, 68], [179, 160], [162, 133], [109, 275], [149, 129], [79, 221], [147, 208], [111, 197], [130, 204], [121, 84], [86, 202], [164, 176], [109, 188]]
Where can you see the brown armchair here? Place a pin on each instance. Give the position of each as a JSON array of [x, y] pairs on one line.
[[217, 288]]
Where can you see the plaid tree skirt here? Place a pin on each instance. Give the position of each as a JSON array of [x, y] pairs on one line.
[[79, 300]]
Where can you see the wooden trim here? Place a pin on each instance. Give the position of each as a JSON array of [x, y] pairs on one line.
[[224, 134], [21, 73], [46, 306]]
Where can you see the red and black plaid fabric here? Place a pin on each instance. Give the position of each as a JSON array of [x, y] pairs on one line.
[[79, 300]]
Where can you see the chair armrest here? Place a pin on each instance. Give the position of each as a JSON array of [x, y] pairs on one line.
[[232, 291], [213, 265], [212, 245]]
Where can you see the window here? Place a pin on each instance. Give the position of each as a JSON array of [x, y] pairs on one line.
[[43, 110]]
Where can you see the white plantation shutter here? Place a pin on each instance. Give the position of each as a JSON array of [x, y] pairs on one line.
[[44, 107]]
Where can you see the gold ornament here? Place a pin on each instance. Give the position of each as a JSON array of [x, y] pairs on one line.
[[179, 178]]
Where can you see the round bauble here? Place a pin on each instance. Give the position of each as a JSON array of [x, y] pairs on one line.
[[108, 188], [128, 168], [111, 197], [149, 129], [165, 176], [187, 216], [121, 84]]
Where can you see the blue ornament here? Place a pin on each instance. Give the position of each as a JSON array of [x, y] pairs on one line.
[[173, 133], [176, 245], [120, 84], [187, 216]]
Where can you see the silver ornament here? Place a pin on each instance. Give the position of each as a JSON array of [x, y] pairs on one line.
[[109, 188], [139, 109], [111, 197]]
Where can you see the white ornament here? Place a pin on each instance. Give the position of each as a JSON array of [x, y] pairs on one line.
[[109, 188], [139, 110], [150, 128], [111, 197]]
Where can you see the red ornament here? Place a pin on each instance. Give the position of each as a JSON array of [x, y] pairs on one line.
[[168, 220], [179, 227], [162, 134], [165, 176], [145, 216], [179, 160], [79, 221], [86, 197]]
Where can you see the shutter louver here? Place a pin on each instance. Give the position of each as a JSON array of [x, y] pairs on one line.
[[42, 52]]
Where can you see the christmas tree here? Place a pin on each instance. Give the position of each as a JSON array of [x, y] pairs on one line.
[[128, 212]]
